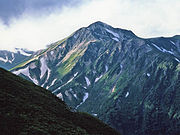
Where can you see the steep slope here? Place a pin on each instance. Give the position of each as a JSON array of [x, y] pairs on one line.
[[129, 82], [9, 59], [29, 109]]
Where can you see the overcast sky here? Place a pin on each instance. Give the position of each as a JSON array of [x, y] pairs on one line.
[[33, 24]]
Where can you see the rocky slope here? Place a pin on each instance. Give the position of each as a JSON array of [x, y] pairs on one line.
[[29, 109], [132, 84], [9, 59]]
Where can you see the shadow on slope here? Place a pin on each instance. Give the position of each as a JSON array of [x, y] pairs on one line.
[[29, 109]]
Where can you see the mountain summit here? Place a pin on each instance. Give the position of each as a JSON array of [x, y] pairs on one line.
[[129, 82], [103, 26]]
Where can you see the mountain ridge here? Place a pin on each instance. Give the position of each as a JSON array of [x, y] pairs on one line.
[[114, 75], [9, 59]]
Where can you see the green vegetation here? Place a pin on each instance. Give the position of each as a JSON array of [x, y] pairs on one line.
[[67, 64], [35, 58], [164, 65], [29, 109]]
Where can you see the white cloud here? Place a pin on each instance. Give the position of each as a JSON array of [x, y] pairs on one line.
[[145, 19]]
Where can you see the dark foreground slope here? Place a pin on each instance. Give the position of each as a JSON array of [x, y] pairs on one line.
[[29, 109]]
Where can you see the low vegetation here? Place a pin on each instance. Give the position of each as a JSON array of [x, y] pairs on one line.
[[29, 109]]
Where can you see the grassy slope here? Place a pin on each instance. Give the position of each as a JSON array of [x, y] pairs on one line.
[[29, 109]]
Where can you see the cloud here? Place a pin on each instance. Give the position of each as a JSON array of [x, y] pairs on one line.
[[15, 8], [34, 30]]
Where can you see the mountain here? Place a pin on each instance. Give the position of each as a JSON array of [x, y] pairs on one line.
[[131, 83], [9, 59], [29, 109]]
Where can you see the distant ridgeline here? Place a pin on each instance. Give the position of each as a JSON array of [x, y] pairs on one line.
[[9, 59]]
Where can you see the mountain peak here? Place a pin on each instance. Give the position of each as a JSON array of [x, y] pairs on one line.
[[115, 76], [99, 23], [102, 25]]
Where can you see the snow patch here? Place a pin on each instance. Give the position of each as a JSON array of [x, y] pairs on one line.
[[106, 67], [4, 60], [21, 51], [75, 74], [70, 80], [87, 81], [162, 50], [148, 74], [156, 46], [7, 60], [98, 78], [84, 99], [63, 85], [52, 52], [113, 89], [127, 94], [75, 95], [177, 60], [34, 80], [70, 89], [172, 42], [116, 39], [13, 58], [113, 33], [32, 65], [47, 77], [60, 96], [44, 67], [94, 114], [25, 72], [52, 83]]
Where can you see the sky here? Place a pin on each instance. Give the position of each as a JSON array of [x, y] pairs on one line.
[[34, 24]]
